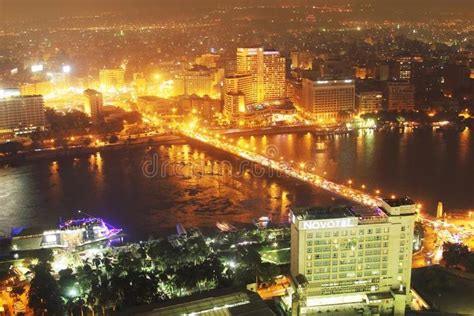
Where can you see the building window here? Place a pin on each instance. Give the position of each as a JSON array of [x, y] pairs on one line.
[[309, 235]]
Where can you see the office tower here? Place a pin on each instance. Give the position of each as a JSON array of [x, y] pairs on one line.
[[325, 100], [399, 96], [36, 88], [301, 60], [93, 104], [402, 68], [237, 93], [198, 80], [267, 69], [112, 78], [22, 114], [274, 76], [369, 101], [353, 260]]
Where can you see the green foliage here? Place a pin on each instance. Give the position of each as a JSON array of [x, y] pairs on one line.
[[44, 293], [454, 253]]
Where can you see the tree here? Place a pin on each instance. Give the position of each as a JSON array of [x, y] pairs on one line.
[[454, 253], [268, 272], [44, 293]]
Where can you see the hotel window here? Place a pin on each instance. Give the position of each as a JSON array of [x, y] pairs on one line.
[[309, 235], [309, 243], [403, 228], [386, 230], [361, 232], [344, 233], [308, 264], [327, 234], [309, 250], [309, 271], [353, 232], [378, 230], [308, 257], [370, 231], [336, 234]]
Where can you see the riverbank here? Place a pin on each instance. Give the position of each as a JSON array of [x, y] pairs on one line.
[[78, 151]]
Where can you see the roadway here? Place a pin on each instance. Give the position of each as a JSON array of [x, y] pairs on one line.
[[297, 171]]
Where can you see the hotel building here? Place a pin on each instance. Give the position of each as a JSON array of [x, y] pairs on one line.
[[369, 101], [22, 114], [267, 69], [237, 93], [352, 260], [324, 100]]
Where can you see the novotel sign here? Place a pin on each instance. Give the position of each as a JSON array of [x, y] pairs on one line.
[[328, 223]]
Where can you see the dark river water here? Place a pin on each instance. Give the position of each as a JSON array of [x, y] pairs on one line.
[[191, 185]]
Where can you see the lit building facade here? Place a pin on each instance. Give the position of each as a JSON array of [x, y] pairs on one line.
[[237, 93], [353, 260], [22, 114], [36, 88], [369, 101], [93, 104], [324, 100], [267, 69], [399, 96], [112, 78]]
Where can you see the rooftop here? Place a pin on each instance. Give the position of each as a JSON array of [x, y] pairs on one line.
[[364, 213], [399, 201], [319, 212], [214, 302]]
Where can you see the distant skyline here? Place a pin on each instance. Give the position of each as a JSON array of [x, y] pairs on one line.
[[54, 8]]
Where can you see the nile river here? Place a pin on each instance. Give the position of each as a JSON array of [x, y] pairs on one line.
[[191, 186]]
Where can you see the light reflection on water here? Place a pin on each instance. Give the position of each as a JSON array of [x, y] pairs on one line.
[[429, 167]]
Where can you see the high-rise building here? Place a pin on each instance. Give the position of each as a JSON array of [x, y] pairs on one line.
[[353, 260], [402, 68], [237, 93], [369, 101], [93, 104], [112, 78], [325, 100], [22, 114], [399, 96], [267, 69]]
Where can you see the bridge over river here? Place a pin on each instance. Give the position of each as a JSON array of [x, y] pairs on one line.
[[297, 171]]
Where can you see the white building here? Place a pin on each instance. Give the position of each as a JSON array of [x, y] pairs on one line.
[[352, 260], [22, 114], [324, 100]]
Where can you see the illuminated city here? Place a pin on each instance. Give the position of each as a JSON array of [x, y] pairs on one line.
[[287, 157]]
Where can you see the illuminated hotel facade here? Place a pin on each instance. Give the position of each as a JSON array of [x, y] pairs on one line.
[[324, 100], [238, 91], [22, 114], [352, 260], [267, 69]]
